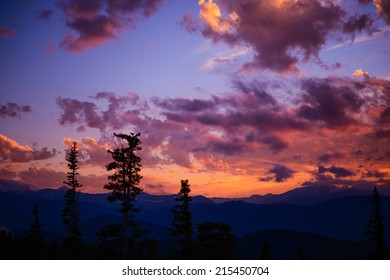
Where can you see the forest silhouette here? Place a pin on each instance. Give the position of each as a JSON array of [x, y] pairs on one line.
[[126, 239]]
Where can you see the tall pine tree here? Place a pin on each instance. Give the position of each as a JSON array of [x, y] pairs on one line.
[[124, 187], [70, 212], [182, 226]]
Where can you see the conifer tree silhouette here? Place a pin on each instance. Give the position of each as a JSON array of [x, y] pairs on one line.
[[71, 212], [182, 226], [375, 229], [124, 186]]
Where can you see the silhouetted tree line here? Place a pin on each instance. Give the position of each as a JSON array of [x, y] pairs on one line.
[[126, 240]]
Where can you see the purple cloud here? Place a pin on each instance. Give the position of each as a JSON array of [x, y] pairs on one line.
[[13, 110], [358, 23], [328, 157], [374, 174], [281, 34], [87, 114], [279, 173], [96, 22], [329, 104], [246, 121], [338, 172]]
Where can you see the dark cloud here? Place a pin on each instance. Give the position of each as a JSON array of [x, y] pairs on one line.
[[280, 33], [358, 23], [279, 173], [328, 157], [6, 32], [75, 111], [252, 109], [338, 172], [254, 94], [231, 146], [329, 104], [275, 143], [96, 22], [14, 152], [13, 110], [45, 14], [44, 153], [374, 174], [184, 105]]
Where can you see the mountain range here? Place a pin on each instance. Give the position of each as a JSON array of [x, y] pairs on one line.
[[303, 216]]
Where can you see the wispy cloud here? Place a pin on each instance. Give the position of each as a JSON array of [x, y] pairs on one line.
[[225, 56], [362, 38]]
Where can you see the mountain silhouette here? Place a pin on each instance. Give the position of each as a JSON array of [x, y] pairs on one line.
[[342, 218]]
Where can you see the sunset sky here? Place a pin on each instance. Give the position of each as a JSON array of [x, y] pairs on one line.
[[240, 97]]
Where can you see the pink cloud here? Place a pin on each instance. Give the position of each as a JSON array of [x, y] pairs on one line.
[[13, 110], [277, 31], [87, 113], [12, 151], [248, 122], [96, 22], [281, 34]]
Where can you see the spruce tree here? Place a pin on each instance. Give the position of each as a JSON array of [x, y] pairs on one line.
[[375, 229], [182, 226], [124, 187], [70, 212]]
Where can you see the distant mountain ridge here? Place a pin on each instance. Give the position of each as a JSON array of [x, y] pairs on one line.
[[306, 195], [340, 218]]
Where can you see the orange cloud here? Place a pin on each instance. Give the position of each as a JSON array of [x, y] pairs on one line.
[[211, 15], [12, 151], [360, 72]]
